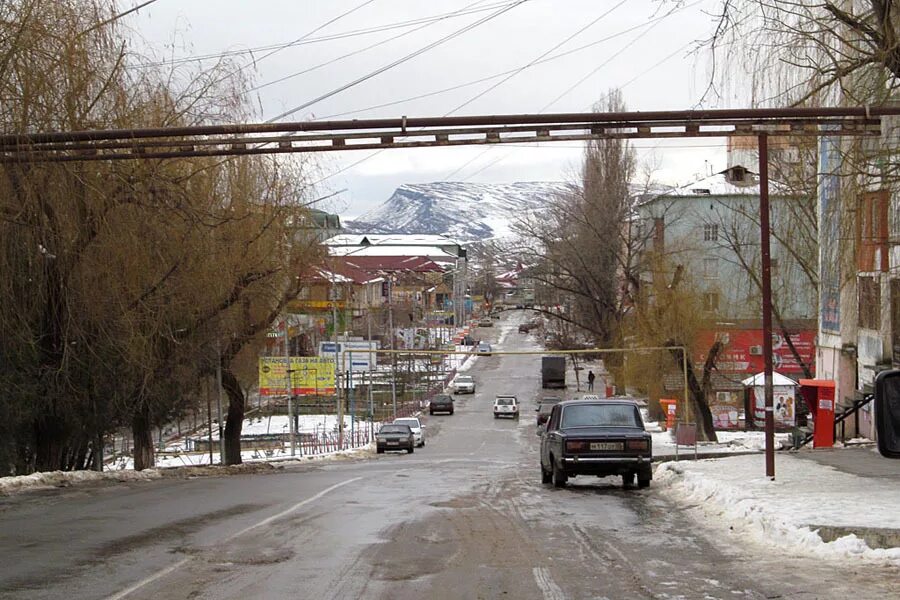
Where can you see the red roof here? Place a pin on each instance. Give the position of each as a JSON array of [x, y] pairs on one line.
[[391, 264]]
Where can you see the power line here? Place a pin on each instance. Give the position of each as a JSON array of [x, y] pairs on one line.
[[115, 17], [325, 38], [543, 55], [375, 45], [583, 79], [501, 74], [397, 62]]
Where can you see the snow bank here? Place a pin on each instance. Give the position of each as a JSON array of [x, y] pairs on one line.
[[54, 479], [734, 495]]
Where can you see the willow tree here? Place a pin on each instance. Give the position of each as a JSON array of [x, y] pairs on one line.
[[118, 275]]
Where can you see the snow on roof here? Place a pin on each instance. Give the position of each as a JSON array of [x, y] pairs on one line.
[[393, 239], [759, 380], [432, 252]]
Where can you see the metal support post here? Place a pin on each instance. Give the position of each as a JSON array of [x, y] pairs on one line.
[[352, 397], [393, 356], [289, 388], [766, 300]]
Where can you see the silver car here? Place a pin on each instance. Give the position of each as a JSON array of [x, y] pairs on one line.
[[464, 384]]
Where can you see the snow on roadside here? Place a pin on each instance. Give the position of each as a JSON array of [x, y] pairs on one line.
[[54, 479], [729, 441], [733, 495]]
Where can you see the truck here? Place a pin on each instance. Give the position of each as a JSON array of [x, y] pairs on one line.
[[553, 372]]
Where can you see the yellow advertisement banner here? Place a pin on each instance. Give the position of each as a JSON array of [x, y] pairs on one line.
[[310, 375]]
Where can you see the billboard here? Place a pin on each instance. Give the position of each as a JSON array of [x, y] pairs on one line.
[[310, 375], [360, 354], [742, 352], [829, 210]]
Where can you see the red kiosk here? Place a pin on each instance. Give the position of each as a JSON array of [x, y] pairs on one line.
[[819, 397]]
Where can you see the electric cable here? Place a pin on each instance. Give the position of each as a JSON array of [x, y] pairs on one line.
[[324, 38], [397, 62]]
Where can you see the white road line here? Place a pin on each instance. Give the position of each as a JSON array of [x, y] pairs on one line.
[[159, 574], [549, 589]]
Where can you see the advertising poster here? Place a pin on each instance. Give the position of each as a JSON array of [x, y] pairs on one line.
[[310, 375], [742, 352], [783, 401]]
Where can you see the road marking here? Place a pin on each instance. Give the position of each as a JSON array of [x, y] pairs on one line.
[[159, 574], [549, 589]]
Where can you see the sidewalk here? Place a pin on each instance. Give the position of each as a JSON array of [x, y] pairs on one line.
[[835, 504]]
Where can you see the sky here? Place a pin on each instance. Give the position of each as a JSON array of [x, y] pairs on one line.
[[645, 47]]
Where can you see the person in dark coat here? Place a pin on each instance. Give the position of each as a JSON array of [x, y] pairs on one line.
[[591, 378]]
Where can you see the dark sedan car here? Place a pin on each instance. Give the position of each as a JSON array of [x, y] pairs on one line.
[[395, 437], [441, 403], [596, 437]]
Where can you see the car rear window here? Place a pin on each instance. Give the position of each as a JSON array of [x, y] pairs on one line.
[[408, 422], [505, 401], [600, 415], [463, 380], [395, 429]]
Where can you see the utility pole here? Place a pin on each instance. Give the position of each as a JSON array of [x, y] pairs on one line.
[[337, 366], [290, 386], [372, 356], [766, 263], [219, 400], [393, 356]]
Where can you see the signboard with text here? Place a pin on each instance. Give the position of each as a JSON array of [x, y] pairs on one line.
[[742, 352], [360, 354], [310, 375]]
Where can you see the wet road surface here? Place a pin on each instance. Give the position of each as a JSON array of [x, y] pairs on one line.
[[464, 517]]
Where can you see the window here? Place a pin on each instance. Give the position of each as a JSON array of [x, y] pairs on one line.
[[601, 415], [869, 303], [711, 232], [711, 301], [711, 268]]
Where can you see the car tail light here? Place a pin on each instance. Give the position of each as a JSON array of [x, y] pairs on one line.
[[637, 445], [576, 446]]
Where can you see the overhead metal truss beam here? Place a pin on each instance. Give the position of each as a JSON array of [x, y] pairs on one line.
[[369, 134]]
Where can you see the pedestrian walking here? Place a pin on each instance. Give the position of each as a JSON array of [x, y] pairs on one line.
[[591, 378]]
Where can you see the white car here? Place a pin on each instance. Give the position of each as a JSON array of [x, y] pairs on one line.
[[417, 428], [506, 406], [464, 384]]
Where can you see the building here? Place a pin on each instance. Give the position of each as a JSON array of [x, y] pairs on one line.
[[708, 232]]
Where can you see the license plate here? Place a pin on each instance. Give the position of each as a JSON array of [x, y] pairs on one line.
[[606, 445], [393, 443]]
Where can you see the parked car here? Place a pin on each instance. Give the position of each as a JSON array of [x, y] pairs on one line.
[[506, 406], [485, 322], [395, 437], [545, 405], [417, 428], [468, 341], [441, 403], [597, 437], [464, 384], [483, 348], [524, 328]]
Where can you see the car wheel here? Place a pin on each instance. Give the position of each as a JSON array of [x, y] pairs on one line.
[[451, 412], [410, 450], [379, 450], [431, 412], [627, 480], [643, 483], [546, 476], [559, 476]]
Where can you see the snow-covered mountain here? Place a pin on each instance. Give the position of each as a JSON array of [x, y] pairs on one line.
[[462, 211]]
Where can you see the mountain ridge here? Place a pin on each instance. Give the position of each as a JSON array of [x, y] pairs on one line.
[[463, 211]]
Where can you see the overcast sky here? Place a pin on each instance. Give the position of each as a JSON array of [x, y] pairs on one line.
[[646, 53]]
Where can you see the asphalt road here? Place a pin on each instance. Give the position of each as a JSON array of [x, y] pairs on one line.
[[464, 517]]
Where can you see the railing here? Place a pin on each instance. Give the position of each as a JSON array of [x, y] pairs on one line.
[[840, 419]]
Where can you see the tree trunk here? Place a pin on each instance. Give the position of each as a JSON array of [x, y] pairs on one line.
[[143, 440], [49, 444], [235, 420], [705, 429]]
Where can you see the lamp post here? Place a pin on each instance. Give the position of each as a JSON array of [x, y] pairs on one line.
[[290, 386]]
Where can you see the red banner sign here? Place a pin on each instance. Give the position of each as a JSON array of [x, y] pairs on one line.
[[743, 351]]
